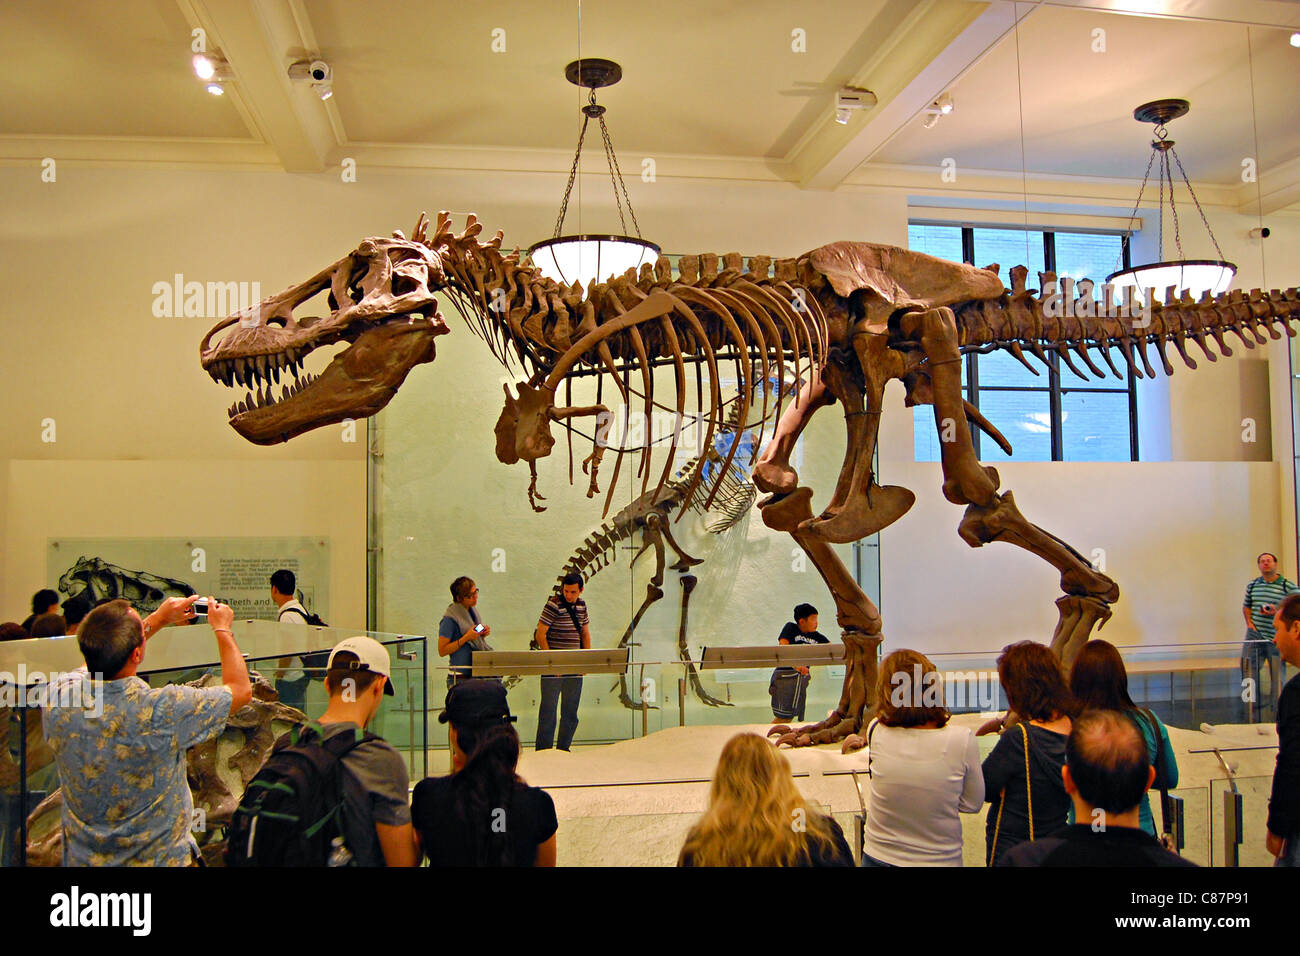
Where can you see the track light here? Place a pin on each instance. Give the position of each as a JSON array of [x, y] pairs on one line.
[[851, 98], [1295, 39], [205, 68]]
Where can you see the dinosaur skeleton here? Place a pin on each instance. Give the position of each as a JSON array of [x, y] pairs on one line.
[[848, 317], [649, 518]]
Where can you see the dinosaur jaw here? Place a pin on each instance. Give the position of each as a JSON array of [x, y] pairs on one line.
[[357, 383]]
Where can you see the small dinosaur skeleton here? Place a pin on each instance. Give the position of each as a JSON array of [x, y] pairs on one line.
[[847, 317], [649, 519]]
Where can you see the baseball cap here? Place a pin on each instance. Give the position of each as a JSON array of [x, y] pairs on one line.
[[371, 656], [476, 701]]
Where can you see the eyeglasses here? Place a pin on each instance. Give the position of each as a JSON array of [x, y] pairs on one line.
[[472, 593]]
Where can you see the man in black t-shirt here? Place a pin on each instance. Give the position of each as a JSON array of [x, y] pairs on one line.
[[1107, 773], [789, 685]]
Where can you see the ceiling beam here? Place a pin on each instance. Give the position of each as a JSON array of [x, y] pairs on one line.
[[259, 39], [1283, 14], [929, 51], [1278, 188]]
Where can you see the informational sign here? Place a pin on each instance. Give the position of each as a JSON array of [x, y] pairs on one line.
[[146, 571]]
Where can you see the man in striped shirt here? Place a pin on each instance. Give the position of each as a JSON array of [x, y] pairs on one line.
[[1264, 596], [563, 626]]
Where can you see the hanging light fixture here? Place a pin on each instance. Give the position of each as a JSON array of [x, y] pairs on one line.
[[1195, 276], [589, 258]]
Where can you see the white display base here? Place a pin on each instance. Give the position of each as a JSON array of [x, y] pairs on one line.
[[632, 803]]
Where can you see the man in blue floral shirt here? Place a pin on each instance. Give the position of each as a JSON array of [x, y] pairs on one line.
[[120, 744]]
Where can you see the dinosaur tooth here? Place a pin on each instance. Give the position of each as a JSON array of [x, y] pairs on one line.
[[275, 373]]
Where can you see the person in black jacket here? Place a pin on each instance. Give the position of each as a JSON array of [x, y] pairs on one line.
[[1283, 839], [1107, 774], [1027, 799]]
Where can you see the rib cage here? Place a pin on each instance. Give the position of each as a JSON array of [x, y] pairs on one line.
[[598, 550]]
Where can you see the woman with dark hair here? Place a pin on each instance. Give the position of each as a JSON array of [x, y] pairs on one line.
[[1022, 776], [483, 814], [1099, 681]]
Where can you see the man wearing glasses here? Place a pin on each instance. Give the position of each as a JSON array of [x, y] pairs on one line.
[[461, 631]]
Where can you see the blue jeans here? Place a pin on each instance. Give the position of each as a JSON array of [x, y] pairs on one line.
[[1291, 854], [567, 691], [872, 861], [1255, 654]]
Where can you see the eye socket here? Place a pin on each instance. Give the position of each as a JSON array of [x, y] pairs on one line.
[[277, 320]]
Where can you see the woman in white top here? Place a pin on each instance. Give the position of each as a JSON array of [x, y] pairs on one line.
[[922, 773]]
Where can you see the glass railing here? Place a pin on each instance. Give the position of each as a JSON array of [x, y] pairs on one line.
[[1238, 836], [280, 654]]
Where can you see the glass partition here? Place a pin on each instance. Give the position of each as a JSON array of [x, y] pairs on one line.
[[1251, 849]]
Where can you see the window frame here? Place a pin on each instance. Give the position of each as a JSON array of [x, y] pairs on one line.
[[1053, 388]]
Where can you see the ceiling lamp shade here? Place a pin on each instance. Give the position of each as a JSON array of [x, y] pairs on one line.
[[590, 258], [1193, 276]]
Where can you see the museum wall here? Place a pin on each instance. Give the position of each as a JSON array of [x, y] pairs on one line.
[[141, 434]]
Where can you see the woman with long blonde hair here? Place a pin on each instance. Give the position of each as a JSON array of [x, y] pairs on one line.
[[757, 817]]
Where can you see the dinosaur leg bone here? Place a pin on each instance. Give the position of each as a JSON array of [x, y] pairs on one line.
[[684, 560], [1002, 521], [865, 507], [965, 480], [857, 616], [773, 472], [688, 582]]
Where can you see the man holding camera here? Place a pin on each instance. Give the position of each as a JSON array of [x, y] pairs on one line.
[[1264, 596], [120, 744], [461, 631]]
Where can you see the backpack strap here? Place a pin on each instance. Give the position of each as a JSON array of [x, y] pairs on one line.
[[573, 616], [292, 610]]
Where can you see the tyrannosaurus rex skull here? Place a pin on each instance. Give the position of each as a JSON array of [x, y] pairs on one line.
[[382, 303]]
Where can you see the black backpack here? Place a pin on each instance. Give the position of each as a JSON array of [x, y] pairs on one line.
[[291, 811], [320, 660]]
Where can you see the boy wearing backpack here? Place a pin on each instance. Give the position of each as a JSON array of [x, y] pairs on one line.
[[331, 794]]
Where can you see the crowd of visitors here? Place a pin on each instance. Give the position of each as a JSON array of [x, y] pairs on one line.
[[1067, 782]]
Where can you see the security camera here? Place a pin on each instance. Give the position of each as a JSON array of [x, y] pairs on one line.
[[315, 71], [1260, 232]]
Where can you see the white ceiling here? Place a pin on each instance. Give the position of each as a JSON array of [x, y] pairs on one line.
[[711, 88]]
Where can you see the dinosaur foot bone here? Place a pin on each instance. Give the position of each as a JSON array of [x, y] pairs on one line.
[[862, 515], [852, 743], [831, 730], [1079, 615]]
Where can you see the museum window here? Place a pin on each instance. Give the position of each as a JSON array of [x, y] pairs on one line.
[[1054, 416]]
